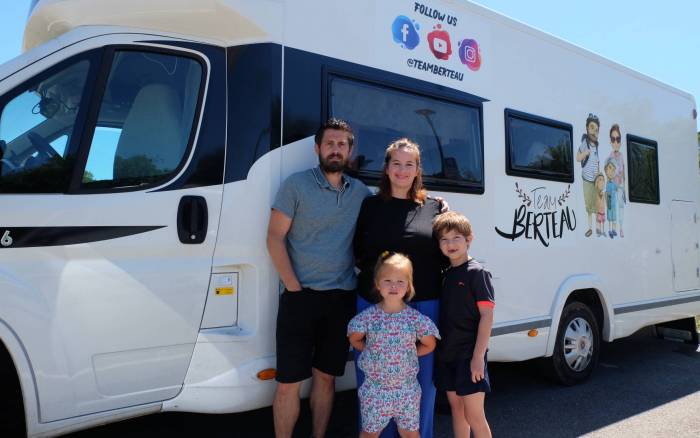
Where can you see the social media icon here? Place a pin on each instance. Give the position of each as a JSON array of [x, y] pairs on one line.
[[439, 43], [469, 54], [405, 32]]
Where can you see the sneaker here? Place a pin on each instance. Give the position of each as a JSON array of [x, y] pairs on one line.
[[614, 233], [589, 232], [622, 234], [611, 233]]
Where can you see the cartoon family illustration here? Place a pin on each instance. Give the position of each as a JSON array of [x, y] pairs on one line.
[[604, 200]]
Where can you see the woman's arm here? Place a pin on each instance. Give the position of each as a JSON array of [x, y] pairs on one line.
[[357, 340], [426, 345]]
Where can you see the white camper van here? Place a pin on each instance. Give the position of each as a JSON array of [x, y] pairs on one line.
[[142, 143]]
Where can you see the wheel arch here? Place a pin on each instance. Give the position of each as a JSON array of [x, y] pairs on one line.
[[587, 289], [17, 358]]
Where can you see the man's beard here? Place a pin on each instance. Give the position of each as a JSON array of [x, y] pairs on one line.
[[332, 166]]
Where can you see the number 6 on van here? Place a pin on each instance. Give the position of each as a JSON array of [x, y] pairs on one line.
[[6, 239]]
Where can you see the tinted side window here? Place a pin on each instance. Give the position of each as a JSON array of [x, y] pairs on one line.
[[538, 148], [145, 120], [643, 170], [449, 133], [36, 129]]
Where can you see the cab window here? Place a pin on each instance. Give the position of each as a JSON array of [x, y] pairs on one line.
[[145, 120], [37, 124]]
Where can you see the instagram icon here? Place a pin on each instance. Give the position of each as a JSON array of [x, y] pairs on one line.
[[469, 54]]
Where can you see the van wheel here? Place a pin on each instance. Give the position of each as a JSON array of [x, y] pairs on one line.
[[11, 406], [577, 345]]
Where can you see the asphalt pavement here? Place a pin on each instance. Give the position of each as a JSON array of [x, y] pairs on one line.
[[643, 386]]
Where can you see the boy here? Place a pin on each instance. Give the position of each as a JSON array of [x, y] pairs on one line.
[[466, 317]]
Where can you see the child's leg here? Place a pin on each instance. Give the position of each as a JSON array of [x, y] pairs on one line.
[[364, 434], [474, 412], [362, 304], [408, 433], [431, 309], [460, 427]]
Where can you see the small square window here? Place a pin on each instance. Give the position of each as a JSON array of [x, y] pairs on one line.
[[538, 148], [643, 170]]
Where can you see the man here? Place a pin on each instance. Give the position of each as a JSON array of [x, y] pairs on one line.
[[587, 155], [310, 241]]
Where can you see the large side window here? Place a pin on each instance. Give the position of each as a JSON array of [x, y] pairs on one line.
[[538, 148], [145, 120], [37, 126], [448, 132], [643, 170]]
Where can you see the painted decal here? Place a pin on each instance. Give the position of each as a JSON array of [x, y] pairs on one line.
[[405, 32], [603, 186], [469, 54], [439, 43], [541, 215], [26, 237], [441, 27]]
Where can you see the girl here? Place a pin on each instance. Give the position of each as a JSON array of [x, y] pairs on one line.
[[600, 204], [391, 336]]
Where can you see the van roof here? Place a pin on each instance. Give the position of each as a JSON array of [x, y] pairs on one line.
[[230, 22]]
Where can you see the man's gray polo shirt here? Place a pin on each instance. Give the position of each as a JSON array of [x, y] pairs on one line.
[[319, 241]]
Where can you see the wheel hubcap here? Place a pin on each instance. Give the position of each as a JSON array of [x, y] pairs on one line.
[[578, 344]]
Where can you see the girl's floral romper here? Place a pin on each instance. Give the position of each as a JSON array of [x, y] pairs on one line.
[[390, 364]]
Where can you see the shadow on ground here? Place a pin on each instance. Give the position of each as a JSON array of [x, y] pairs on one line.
[[635, 374]]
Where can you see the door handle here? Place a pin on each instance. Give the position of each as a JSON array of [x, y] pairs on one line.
[[192, 219]]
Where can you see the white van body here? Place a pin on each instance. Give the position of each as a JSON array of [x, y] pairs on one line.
[[107, 312]]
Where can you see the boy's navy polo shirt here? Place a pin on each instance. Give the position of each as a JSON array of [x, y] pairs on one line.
[[319, 241], [465, 287]]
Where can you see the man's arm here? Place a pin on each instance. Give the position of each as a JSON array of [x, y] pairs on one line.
[[357, 340], [581, 154], [276, 245]]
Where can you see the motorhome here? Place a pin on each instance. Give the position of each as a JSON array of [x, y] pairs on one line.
[[142, 143]]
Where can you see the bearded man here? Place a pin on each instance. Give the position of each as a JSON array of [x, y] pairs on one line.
[[310, 242]]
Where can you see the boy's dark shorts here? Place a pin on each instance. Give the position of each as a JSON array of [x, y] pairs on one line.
[[312, 333], [456, 376]]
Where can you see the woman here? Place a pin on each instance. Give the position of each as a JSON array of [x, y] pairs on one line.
[[399, 218]]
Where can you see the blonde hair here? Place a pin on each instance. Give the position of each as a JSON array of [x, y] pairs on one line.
[[451, 221], [397, 261], [417, 192]]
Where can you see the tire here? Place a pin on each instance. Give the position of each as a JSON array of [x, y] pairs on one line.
[[577, 345], [11, 407]]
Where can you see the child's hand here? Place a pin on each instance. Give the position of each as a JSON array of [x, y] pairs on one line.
[[477, 368]]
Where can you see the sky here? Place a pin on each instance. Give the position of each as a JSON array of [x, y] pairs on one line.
[[658, 39]]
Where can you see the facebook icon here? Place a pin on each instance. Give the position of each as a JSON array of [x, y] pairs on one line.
[[405, 32]]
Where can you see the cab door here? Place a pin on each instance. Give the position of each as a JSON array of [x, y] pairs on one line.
[[111, 179]]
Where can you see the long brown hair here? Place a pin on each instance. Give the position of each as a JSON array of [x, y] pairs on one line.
[[417, 192]]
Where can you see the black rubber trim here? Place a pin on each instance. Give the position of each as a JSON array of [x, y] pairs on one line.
[[254, 73], [27, 237], [207, 165], [520, 327], [646, 306]]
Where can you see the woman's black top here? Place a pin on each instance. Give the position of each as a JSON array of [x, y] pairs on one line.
[[399, 225]]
